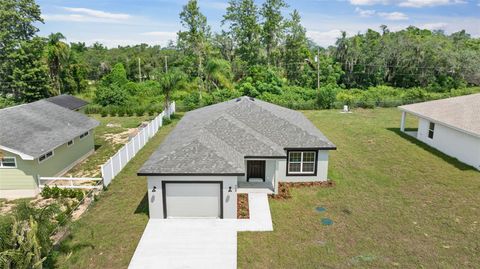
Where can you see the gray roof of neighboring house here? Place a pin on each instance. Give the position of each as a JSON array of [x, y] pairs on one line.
[[36, 128], [68, 101], [461, 113], [217, 138]]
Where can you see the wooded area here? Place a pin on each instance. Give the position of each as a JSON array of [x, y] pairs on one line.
[[258, 52]]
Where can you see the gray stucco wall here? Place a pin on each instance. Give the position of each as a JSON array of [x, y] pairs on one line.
[[155, 200]]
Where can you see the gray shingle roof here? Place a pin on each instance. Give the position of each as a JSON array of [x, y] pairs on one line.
[[217, 138], [461, 113], [68, 101], [41, 126]]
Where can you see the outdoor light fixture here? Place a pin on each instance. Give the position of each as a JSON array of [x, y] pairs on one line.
[[230, 189], [154, 189]]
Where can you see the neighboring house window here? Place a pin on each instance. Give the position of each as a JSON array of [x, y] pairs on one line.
[[69, 143], [431, 130], [302, 162], [8, 162], [84, 134], [45, 156]]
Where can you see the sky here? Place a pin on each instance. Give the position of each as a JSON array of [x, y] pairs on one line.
[[121, 22]]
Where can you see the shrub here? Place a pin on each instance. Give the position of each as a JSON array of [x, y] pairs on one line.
[[46, 192], [166, 121], [56, 192], [104, 112], [112, 111], [326, 96], [121, 112], [111, 95], [129, 112], [140, 111]]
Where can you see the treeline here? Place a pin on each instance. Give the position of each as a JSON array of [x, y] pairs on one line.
[[258, 52]]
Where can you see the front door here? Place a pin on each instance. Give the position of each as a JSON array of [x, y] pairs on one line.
[[256, 169]]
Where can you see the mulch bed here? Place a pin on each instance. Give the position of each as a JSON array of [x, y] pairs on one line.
[[284, 188], [242, 206]]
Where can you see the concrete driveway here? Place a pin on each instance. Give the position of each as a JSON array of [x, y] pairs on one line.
[[198, 243], [187, 243]]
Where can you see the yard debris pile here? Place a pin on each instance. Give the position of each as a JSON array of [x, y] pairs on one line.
[[121, 138]]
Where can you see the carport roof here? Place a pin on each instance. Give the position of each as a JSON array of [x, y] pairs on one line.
[[461, 113], [217, 138]]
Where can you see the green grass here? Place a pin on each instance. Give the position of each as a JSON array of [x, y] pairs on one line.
[[396, 203], [104, 148], [107, 235]]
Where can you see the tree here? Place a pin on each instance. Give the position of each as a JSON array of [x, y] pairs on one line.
[[57, 56], [296, 49], [273, 28], [218, 73], [242, 17], [171, 81], [194, 41], [20, 77]]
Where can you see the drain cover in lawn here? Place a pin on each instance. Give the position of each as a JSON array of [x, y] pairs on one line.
[[327, 221], [320, 208]]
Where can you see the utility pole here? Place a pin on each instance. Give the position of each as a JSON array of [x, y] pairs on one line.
[[139, 71], [166, 64], [318, 68]]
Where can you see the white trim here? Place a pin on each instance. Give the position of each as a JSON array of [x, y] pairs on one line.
[[301, 162], [22, 155], [46, 157], [8, 167], [73, 142]]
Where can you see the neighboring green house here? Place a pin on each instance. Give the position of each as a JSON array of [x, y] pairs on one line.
[[40, 139]]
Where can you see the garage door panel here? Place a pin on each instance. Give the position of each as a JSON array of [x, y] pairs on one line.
[[193, 200]]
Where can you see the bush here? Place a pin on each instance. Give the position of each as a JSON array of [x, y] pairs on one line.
[[111, 95], [121, 112], [326, 96], [129, 112], [93, 109], [166, 121], [112, 111], [104, 112], [140, 111]]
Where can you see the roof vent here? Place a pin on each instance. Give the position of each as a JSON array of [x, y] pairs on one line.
[[251, 98], [238, 99]]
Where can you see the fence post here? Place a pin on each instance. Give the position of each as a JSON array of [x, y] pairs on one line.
[[111, 165]]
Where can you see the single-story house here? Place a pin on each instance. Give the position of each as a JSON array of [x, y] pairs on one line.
[[217, 150], [450, 125], [68, 101], [40, 139]]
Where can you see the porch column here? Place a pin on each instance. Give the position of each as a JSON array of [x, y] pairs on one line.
[[402, 122]]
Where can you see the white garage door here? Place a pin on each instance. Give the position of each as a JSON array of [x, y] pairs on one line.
[[193, 200]]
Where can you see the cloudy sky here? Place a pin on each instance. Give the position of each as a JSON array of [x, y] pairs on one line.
[[121, 22]]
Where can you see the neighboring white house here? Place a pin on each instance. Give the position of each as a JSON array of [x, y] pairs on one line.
[[450, 125], [217, 150]]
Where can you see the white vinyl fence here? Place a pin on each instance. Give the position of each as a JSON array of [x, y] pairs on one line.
[[118, 161]]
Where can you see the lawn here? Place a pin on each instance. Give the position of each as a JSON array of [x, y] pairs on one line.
[[396, 203], [110, 136]]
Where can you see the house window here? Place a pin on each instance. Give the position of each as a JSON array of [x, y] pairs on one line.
[[69, 143], [302, 162], [84, 134], [8, 162], [431, 130], [45, 156]]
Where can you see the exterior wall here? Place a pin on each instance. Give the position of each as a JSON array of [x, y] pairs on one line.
[[464, 147], [23, 180], [322, 170], [155, 199]]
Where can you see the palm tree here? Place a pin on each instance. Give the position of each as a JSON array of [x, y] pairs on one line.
[[171, 81], [218, 72], [57, 56]]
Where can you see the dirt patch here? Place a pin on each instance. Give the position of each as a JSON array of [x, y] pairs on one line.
[[121, 138], [284, 188], [243, 211]]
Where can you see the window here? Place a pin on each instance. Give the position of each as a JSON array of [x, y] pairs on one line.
[[301, 162], [431, 130], [45, 156], [84, 134], [69, 143], [8, 162]]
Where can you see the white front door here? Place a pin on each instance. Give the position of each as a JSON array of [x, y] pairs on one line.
[[193, 200]]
